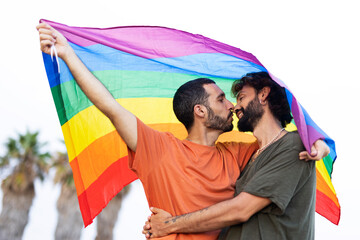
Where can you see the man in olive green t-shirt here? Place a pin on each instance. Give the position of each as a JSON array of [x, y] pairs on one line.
[[275, 194], [290, 184]]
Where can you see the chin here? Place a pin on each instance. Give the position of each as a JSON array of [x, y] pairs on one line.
[[229, 128], [246, 128]]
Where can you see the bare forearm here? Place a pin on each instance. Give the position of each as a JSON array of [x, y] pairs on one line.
[[123, 120], [226, 213], [89, 84], [212, 218]]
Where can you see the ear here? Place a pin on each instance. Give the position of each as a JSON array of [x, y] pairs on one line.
[[199, 111], [263, 94]]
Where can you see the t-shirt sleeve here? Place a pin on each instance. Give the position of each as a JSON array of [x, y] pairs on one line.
[[278, 180], [149, 148]]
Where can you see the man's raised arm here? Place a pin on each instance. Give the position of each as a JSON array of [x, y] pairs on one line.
[[123, 120]]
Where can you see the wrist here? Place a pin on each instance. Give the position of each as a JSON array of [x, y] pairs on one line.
[[67, 54], [171, 226]]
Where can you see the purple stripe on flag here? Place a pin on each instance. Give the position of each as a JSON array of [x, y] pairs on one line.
[[150, 42], [300, 123], [278, 81], [313, 134]]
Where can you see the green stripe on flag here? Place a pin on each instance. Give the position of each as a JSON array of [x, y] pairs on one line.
[[69, 98]]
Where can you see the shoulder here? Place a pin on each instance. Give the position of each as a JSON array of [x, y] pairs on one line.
[[289, 149], [152, 136], [242, 151], [285, 151], [292, 141]]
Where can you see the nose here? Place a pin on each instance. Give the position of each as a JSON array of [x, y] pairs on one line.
[[230, 105], [237, 107]]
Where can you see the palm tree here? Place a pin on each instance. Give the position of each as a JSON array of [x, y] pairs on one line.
[[70, 224], [18, 187], [107, 218]]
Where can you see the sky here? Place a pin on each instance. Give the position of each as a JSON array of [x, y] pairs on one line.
[[313, 46]]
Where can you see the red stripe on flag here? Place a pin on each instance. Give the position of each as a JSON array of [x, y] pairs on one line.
[[327, 208], [101, 191]]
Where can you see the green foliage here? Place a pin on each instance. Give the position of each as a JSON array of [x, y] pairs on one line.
[[63, 173], [30, 161]]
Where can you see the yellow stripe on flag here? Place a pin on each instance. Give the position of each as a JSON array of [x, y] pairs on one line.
[[320, 166], [90, 124]]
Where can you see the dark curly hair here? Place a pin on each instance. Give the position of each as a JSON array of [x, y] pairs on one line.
[[187, 96], [277, 100]]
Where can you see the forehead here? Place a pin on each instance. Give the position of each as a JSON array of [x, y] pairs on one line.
[[246, 90], [213, 89]]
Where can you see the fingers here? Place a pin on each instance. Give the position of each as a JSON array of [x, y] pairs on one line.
[[306, 156], [147, 226], [303, 155], [47, 37], [46, 33], [147, 234], [46, 30], [43, 25], [322, 147], [314, 152], [155, 210], [146, 230], [319, 150], [45, 44]]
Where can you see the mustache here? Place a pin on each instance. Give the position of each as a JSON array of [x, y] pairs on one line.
[[230, 114], [238, 110]]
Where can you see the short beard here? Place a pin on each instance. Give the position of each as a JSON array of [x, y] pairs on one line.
[[218, 123], [251, 116]]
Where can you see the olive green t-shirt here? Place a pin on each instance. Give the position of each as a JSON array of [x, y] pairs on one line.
[[290, 183]]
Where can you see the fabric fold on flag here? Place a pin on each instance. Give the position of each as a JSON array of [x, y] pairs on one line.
[[142, 66]]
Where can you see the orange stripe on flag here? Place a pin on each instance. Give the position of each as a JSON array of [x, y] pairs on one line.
[[85, 172], [89, 171], [322, 186], [236, 136]]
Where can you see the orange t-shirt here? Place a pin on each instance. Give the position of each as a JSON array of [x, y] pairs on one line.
[[180, 176]]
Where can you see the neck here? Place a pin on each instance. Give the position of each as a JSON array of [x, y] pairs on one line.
[[203, 135], [267, 128]]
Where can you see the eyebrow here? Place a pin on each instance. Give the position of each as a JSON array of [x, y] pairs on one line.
[[239, 93], [221, 95]]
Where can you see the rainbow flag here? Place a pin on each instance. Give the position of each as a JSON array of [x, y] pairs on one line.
[[142, 67]]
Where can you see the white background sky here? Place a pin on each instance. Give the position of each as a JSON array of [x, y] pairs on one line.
[[313, 46]]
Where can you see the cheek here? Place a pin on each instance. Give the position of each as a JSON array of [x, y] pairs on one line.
[[240, 106]]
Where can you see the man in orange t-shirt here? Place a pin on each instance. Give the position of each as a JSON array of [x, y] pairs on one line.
[[183, 176], [186, 175]]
